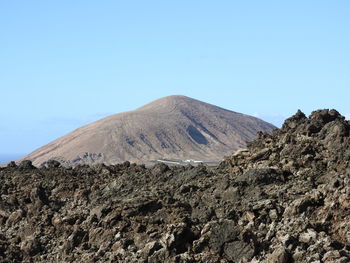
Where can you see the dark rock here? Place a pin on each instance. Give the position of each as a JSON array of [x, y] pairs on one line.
[[182, 239], [159, 169], [12, 164], [294, 121], [53, 164], [238, 250], [150, 248], [126, 164], [280, 256], [325, 116], [74, 240], [26, 164], [285, 199], [264, 176], [15, 217], [38, 194], [31, 246], [221, 233]]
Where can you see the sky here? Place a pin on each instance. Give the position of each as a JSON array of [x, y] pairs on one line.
[[67, 63]]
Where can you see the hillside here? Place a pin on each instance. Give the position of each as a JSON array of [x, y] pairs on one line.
[[172, 127]]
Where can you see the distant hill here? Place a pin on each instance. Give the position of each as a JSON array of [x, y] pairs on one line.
[[172, 127]]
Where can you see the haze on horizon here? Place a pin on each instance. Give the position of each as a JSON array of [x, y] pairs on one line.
[[65, 64]]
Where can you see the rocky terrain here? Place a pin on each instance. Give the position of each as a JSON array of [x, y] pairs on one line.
[[174, 127], [285, 198]]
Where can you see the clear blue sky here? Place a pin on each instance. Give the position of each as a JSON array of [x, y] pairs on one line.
[[67, 63]]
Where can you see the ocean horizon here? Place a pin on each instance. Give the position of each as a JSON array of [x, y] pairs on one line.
[[5, 158]]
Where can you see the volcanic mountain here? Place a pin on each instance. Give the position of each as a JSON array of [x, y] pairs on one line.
[[172, 127]]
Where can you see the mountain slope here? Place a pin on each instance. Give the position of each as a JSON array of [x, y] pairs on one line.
[[170, 127]]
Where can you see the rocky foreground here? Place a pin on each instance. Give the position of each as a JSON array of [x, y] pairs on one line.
[[284, 199]]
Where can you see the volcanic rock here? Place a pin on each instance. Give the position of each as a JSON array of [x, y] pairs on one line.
[[284, 199]]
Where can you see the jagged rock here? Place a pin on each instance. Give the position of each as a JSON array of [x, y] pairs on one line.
[[280, 255], [284, 199], [220, 233], [12, 164], [150, 248], [26, 164], [53, 164], [30, 246], [294, 121], [263, 176], [15, 217], [238, 250], [309, 235], [159, 169]]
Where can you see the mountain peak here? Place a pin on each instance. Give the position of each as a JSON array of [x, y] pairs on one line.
[[168, 101]]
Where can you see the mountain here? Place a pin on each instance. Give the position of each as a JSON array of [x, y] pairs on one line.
[[171, 127]]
